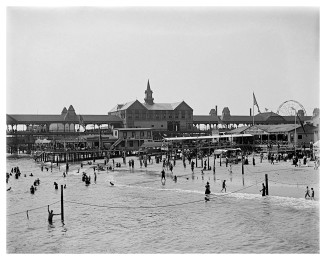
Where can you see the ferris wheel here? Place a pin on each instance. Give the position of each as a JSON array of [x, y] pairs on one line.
[[287, 108]]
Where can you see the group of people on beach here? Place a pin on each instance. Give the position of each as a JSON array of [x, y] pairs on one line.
[[312, 196]]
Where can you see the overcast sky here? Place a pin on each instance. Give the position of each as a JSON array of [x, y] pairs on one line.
[[95, 58]]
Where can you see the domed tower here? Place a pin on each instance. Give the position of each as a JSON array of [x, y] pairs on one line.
[[148, 95]]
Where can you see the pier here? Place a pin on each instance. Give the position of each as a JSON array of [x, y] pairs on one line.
[[70, 156]]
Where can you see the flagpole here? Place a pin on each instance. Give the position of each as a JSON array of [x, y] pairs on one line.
[[253, 112]]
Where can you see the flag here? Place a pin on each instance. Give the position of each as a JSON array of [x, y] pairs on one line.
[[301, 123], [255, 102], [81, 121]]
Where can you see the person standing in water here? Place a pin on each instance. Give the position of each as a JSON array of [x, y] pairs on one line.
[[208, 189], [312, 194], [163, 174], [51, 214], [263, 190], [307, 193], [223, 186]]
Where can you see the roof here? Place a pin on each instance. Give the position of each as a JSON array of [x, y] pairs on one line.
[[207, 137], [116, 108], [292, 118], [239, 130], [28, 119], [162, 106], [151, 144], [100, 118], [281, 128], [278, 128], [132, 129], [210, 118]]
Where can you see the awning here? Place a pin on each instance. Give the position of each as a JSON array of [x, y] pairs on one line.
[[44, 141]]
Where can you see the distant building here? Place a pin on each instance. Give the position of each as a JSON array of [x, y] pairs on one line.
[[159, 116], [131, 139], [279, 133]]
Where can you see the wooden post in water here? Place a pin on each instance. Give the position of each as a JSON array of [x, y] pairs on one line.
[[62, 213], [242, 168], [266, 183]]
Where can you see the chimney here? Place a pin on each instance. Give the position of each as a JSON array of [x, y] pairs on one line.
[[216, 110], [250, 111]]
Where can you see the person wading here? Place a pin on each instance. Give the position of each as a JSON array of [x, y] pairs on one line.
[[51, 214]]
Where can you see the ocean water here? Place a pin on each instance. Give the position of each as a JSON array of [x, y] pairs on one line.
[[141, 215]]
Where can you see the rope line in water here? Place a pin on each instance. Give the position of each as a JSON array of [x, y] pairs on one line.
[[130, 207], [233, 191], [150, 207], [296, 184], [32, 209]]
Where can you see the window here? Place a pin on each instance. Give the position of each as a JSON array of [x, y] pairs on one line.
[[170, 115], [299, 136], [150, 115], [176, 114], [144, 115], [131, 143], [161, 125], [183, 114], [152, 125], [148, 134], [124, 135], [136, 114], [133, 134], [141, 134]]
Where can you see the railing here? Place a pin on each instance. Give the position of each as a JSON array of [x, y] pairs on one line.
[[116, 143]]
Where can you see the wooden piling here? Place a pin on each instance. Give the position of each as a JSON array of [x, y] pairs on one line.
[[266, 183], [62, 212]]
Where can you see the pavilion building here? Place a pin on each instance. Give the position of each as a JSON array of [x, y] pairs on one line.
[[158, 116]]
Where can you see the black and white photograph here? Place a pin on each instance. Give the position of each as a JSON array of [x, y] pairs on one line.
[[162, 130]]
